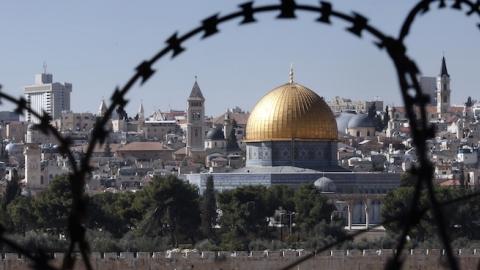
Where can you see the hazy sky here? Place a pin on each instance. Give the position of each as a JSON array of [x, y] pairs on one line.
[[95, 45]]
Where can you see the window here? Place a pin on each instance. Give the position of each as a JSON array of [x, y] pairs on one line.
[[358, 133]]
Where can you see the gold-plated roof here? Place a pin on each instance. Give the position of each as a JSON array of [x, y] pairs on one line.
[[291, 111]]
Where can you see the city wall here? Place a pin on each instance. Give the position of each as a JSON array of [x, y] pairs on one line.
[[259, 260]]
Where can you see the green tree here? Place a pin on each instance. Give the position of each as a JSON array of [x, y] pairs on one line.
[[12, 191], [245, 212], [21, 215], [173, 209], [209, 209], [52, 206], [113, 212], [386, 117], [462, 216], [280, 196], [232, 144], [311, 208]]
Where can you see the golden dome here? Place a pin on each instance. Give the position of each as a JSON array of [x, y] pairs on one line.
[[291, 111]]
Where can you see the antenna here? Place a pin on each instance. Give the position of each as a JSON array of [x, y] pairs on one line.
[[44, 67]]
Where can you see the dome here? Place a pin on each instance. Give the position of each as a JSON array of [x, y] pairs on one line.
[[325, 184], [215, 134], [342, 121], [361, 121], [291, 111], [9, 147]]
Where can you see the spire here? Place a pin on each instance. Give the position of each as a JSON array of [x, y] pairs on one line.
[[141, 110], [102, 109], [290, 74], [196, 92], [443, 70], [141, 113]]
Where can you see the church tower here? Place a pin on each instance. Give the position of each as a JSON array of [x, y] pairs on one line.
[[443, 90], [195, 121]]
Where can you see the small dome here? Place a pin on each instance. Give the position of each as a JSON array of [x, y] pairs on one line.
[[343, 119], [361, 121], [9, 147], [325, 184], [215, 134]]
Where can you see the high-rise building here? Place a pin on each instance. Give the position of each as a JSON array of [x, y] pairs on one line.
[[46, 95], [195, 121]]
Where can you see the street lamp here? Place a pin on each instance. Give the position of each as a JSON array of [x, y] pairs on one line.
[[289, 214]]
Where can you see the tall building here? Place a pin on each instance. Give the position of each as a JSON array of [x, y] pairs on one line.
[[429, 87], [46, 95], [443, 90], [195, 121]]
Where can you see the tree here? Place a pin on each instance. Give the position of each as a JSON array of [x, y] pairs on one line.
[[372, 111], [469, 102], [12, 190], [21, 215], [311, 207], [462, 219], [113, 212], [52, 206], [232, 144], [280, 196], [386, 117], [173, 209], [209, 209], [245, 213]]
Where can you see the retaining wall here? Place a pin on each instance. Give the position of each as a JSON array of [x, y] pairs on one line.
[[433, 259]]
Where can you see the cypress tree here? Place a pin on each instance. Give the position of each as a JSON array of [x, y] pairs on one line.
[[209, 210]]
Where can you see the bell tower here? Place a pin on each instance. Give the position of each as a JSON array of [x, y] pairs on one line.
[[195, 120], [443, 91]]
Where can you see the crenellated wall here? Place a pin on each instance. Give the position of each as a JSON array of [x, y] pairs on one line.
[[258, 260]]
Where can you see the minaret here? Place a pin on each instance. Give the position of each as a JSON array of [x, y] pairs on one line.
[[33, 169], [195, 120], [443, 90], [141, 118], [141, 113], [102, 109]]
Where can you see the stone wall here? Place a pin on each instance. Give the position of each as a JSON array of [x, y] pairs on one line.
[[333, 260]]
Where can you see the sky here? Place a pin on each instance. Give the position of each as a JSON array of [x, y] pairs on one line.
[[95, 45]]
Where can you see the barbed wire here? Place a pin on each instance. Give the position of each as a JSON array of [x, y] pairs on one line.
[[407, 72]]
